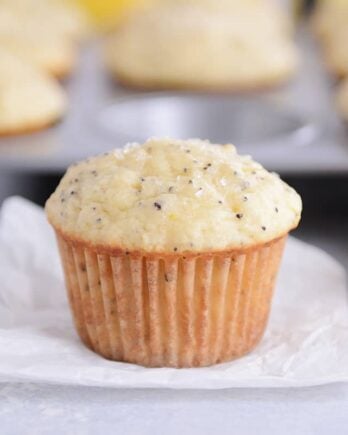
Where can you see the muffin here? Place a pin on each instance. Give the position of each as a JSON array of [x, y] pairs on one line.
[[38, 42], [342, 100], [205, 46], [30, 99], [62, 16], [170, 250], [330, 24]]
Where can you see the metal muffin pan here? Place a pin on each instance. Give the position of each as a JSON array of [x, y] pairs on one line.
[[292, 129], [248, 122]]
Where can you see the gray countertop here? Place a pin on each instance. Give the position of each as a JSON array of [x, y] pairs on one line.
[[45, 410]]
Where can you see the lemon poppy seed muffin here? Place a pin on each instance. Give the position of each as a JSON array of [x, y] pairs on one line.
[[29, 98], [170, 250], [342, 99], [64, 17], [204, 46], [330, 24], [37, 41]]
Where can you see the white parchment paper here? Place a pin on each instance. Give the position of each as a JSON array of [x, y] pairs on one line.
[[306, 342]]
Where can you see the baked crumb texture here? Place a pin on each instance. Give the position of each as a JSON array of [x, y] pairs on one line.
[[173, 196]]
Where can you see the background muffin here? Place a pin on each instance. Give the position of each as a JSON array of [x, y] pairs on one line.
[[330, 23], [43, 32], [209, 45], [63, 16], [30, 99], [170, 250], [342, 99]]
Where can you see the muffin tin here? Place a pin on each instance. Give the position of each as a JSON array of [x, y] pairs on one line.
[[293, 129], [248, 122]]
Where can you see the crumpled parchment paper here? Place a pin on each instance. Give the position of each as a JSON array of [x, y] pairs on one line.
[[306, 342]]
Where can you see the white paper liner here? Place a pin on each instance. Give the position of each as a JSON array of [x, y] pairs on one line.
[[306, 342]]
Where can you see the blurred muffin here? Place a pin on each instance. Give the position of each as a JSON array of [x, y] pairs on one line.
[[268, 10], [62, 16], [203, 46], [170, 250], [330, 23], [328, 16], [342, 99], [36, 37], [336, 54], [29, 98]]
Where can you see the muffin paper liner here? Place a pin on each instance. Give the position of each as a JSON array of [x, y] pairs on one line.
[[170, 310]]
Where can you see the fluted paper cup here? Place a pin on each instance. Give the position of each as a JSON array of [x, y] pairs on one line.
[[172, 310]]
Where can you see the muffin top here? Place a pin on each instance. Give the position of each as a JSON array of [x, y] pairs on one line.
[[29, 98], [203, 44], [58, 16], [64, 17], [37, 41], [170, 196]]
